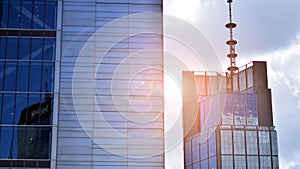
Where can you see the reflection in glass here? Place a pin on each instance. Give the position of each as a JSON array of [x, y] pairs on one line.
[[37, 48], [22, 81], [35, 76], [2, 46], [26, 15], [38, 15], [10, 76], [49, 47], [188, 152], [14, 14], [12, 45], [239, 142], [252, 161], [47, 76], [3, 13], [5, 142], [240, 162], [274, 143], [21, 104], [264, 143], [265, 162], [8, 109], [226, 141], [227, 162], [50, 18], [24, 49], [251, 142]]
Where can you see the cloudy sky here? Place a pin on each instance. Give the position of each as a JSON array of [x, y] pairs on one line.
[[268, 30]]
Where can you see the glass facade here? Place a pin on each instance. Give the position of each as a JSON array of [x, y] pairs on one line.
[[27, 59], [230, 134]]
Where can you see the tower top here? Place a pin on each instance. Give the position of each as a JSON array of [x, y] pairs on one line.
[[231, 42]]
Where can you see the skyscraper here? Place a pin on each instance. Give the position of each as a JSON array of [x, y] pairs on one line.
[[81, 84], [227, 117], [229, 127]]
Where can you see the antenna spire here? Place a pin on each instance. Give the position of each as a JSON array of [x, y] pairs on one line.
[[231, 42]]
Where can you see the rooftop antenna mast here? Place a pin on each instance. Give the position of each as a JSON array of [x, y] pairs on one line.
[[231, 43]]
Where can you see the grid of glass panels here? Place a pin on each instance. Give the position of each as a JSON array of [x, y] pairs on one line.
[[200, 151], [249, 147], [26, 82]]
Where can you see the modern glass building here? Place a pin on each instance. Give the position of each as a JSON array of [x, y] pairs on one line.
[[81, 84], [228, 121]]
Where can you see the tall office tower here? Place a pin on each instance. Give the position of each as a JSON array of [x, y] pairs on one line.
[[229, 128], [81, 84], [227, 117]]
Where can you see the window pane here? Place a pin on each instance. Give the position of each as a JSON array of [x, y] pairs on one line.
[[251, 142], [47, 77], [264, 143], [265, 162], [10, 76], [5, 142], [35, 76], [240, 162], [23, 75], [50, 18], [239, 142], [251, 109], [3, 13], [188, 152], [2, 47], [45, 111], [37, 48], [12, 45], [252, 161], [21, 111], [38, 14], [227, 116], [239, 109], [24, 49], [274, 143], [226, 142], [195, 149], [14, 14], [212, 144], [49, 47], [227, 162], [7, 114], [1, 75], [26, 16]]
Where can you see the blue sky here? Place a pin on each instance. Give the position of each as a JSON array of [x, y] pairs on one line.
[[268, 30]]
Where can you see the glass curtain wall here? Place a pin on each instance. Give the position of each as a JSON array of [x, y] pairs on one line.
[[27, 57]]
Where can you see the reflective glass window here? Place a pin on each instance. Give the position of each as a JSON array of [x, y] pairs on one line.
[[203, 150], [239, 109], [49, 47], [227, 116], [242, 80], [252, 162], [8, 108], [2, 73], [47, 76], [265, 162], [2, 47], [264, 143], [26, 14], [240, 162], [274, 143], [251, 109], [226, 142], [36, 48], [21, 107], [204, 164], [24, 48], [10, 76], [50, 17], [38, 14], [239, 142], [3, 13], [35, 76], [12, 45], [14, 14], [5, 142], [250, 77], [275, 162], [212, 144], [213, 162], [227, 162], [251, 142], [188, 151], [23, 74], [196, 165], [195, 150]]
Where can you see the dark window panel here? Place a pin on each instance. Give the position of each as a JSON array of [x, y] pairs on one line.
[[26, 16], [12, 45], [45, 113], [49, 49], [21, 107], [29, 115], [6, 135], [2, 47], [38, 14], [3, 13], [35, 76], [23, 74], [36, 48], [50, 17], [24, 48], [2, 64], [14, 14], [10, 76], [47, 76], [8, 109]]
